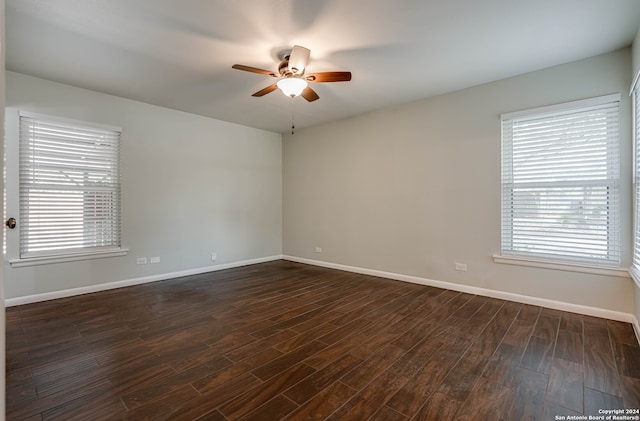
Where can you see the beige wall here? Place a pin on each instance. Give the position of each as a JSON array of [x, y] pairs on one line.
[[412, 189], [636, 53], [190, 186]]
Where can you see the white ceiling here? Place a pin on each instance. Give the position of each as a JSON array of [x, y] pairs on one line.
[[178, 54]]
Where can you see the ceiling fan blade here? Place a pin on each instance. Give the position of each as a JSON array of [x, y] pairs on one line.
[[266, 90], [254, 70], [309, 94], [328, 77], [298, 59]]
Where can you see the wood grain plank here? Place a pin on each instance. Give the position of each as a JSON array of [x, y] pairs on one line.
[[216, 380], [600, 372], [527, 395], [95, 406], [627, 359], [310, 335], [461, 380], [569, 346], [518, 334], [503, 364], [325, 403], [529, 314], [552, 411], [487, 401], [412, 395], [366, 402], [594, 400], [363, 374], [165, 405], [79, 393], [630, 392], [279, 364], [537, 356], [387, 414], [273, 410], [207, 402], [622, 332], [320, 380], [438, 407], [571, 322], [547, 327], [596, 335], [143, 394], [259, 395], [566, 384]]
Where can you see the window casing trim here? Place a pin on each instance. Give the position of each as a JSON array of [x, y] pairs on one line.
[[563, 106], [534, 178], [634, 272], [70, 257], [69, 254], [70, 121], [520, 260]]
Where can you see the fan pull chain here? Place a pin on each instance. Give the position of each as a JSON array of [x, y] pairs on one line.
[[293, 127]]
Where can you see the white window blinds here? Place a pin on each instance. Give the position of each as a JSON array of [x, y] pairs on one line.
[[69, 178], [560, 182]]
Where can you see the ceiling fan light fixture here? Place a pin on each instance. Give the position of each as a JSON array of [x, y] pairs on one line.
[[292, 86]]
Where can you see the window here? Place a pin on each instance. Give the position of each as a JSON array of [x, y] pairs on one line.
[[560, 182], [69, 183]]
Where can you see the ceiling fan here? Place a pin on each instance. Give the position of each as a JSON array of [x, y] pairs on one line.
[[291, 71]]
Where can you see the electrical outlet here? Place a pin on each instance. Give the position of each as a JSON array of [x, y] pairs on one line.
[[141, 261], [214, 256], [461, 267], [318, 249], [155, 259]]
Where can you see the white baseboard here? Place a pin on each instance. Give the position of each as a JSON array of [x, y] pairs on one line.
[[525, 299], [636, 327], [10, 302]]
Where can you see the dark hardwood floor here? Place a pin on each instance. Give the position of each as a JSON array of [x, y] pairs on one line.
[[282, 340]]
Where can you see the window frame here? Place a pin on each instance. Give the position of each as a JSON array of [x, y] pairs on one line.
[[69, 254], [510, 256]]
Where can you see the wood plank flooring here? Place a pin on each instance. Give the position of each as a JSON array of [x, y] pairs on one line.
[[286, 341]]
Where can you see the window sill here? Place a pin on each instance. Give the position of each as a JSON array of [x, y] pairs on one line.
[[565, 266], [46, 260]]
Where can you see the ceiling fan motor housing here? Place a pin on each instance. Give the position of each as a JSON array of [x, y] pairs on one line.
[[283, 68]]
